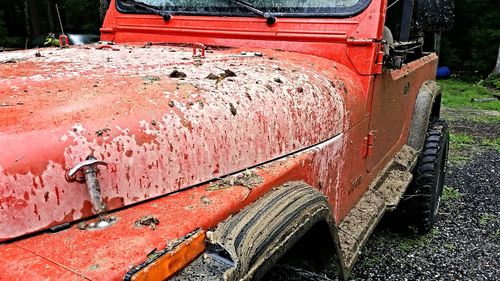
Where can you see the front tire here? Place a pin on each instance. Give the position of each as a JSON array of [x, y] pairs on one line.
[[420, 204]]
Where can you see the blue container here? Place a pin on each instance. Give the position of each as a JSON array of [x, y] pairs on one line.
[[443, 72]]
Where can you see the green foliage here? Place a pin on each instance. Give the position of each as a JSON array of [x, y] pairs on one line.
[[81, 16], [77, 17], [11, 32], [51, 41], [450, 247], [3, 32], [450, 194], [492, 82], [375, 259], [406, 241], [486, 219], [460, 140], [414, 241], [472, 44], [491, 119], [458, 159], [457, 93], [458, 154], [493, 143]]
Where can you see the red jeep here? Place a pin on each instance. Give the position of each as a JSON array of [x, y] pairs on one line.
[[201, 140]]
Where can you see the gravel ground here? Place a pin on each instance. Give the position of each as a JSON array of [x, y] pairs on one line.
[[465, 243]]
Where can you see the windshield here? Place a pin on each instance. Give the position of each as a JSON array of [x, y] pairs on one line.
[[286, 8]]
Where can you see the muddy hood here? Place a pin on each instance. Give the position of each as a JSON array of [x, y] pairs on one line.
[[161, 120]]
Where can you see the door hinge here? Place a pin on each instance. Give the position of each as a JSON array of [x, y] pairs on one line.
[[379, 61], [370, 140], [360, 41]]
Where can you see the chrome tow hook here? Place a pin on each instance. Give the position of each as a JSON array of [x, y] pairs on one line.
[[89, 170]]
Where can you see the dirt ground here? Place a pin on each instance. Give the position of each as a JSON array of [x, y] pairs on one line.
[[465, 243]]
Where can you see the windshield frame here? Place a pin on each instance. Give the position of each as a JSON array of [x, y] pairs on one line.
[[345, 12]]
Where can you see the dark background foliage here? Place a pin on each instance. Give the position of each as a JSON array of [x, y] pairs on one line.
[[471, 46], [22, 22]]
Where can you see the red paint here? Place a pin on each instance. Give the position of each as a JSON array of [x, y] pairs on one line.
[[318, 80], [107, 254], [118, 109], [202, 50]]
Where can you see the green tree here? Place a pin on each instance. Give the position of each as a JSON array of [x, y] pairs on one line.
[[81, 16], [472, 44], [12, 27]]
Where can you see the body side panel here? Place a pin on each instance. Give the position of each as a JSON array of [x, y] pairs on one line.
[[390, 120], [107, 254]]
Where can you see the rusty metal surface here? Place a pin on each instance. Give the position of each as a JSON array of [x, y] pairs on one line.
[[158, 134], [108, 254]]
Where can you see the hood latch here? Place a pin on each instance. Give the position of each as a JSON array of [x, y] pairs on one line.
[[89, 169]]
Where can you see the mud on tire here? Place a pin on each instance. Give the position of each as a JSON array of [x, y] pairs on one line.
[[421, 201]]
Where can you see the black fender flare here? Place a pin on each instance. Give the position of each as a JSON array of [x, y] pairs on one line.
[[427, 106], [247, 244]]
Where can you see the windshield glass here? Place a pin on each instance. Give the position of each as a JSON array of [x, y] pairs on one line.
[[290, 8]]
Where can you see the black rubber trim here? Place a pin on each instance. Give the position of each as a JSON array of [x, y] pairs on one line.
[[279, 12], [276, 231], [259, 214]]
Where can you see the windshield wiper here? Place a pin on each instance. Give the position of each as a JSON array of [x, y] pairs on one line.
[[270, 18], [163, 13]]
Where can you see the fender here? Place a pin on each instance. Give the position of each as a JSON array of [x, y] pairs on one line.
[[427, 106], [246, 245]]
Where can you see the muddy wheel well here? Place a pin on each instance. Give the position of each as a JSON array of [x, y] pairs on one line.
[[427, 108], [314, 251], [247, 244], [436, 108]]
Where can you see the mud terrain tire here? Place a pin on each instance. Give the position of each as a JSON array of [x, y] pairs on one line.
[[434, 15], [260, 234], [421, 201]]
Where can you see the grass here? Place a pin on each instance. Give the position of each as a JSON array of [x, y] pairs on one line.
[[450, 247], [405, 241], [407, 244], [374, 260], [457, 93], [458, 158], [488, 119], [459, 143], [450, 194], [492, 82], [414, 241], [460, 140], [493, 143], [486, 218]]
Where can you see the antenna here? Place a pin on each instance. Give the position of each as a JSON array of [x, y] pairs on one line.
[[63, 39], [60, 21]]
